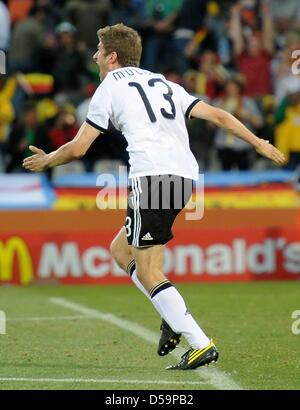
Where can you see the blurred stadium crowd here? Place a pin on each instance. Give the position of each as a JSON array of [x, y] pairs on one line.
[[237, 55]]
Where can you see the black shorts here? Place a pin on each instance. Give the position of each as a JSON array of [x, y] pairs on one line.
[[153, 204]]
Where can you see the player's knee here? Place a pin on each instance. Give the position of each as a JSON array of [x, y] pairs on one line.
[[119, 254], [115, 251]]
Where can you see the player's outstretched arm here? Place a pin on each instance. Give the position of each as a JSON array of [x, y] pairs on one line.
[[227, 121], [74, 149]]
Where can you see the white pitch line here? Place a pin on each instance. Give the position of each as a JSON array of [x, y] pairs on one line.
[[213, 377], [42, 318], [108, 381]]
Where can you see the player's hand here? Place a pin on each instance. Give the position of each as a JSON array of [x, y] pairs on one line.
[[36, 162], [269, 151]]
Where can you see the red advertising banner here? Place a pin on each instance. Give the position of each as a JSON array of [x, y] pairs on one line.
[[240, 254]]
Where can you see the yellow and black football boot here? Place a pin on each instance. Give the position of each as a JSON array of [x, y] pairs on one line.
[[194, 358]]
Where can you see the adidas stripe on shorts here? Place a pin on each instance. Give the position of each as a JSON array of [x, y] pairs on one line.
[[153, 204]]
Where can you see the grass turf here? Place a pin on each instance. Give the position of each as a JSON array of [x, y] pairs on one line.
[[250, 323]]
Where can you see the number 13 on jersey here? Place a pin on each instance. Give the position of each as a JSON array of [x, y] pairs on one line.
[[167, 96]]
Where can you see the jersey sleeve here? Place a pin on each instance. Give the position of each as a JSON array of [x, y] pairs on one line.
[[99, 110], [187, 101]]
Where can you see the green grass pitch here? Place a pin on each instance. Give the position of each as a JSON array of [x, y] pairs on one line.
[[251, 324]]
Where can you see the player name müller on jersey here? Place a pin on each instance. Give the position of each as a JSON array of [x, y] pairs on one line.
[[150, 111]]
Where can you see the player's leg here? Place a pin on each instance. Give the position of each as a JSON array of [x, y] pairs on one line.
[[148, 229], [171, 306], [164, 296], [168, 339], [121, 252], [149, 262]]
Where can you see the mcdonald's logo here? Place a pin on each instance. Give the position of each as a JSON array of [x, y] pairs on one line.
[[14, 248]]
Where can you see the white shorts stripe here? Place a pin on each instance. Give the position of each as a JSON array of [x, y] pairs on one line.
[[137, 216], [138, 210], [134, 201]]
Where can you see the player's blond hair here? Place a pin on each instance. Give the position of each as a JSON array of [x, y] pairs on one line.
[[125, 41]]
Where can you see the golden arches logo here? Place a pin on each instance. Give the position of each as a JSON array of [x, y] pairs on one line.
[[15, 246]]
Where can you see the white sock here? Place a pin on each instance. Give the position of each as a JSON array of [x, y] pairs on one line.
[[138, 284], [171, 306]]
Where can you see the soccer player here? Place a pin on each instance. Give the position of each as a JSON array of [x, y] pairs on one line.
[[150, 111]]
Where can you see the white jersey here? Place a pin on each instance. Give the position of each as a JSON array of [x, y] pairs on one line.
[[150, 112]]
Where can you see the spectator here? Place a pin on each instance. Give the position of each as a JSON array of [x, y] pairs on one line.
[[7, 113], [161, 16], [63, 126], [200, 132], [7, 90], [82, 109], [27, 40], [268, 110], [68, 62], [287, 133], [87, 16], [23, 133], [254, 54], [189, 20], [234, 152], [219, 24], [203, 40], [211, 75]]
